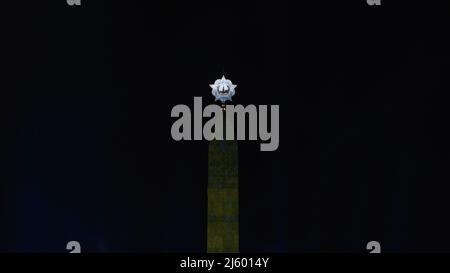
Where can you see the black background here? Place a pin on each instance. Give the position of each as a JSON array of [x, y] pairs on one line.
[[363, 151]]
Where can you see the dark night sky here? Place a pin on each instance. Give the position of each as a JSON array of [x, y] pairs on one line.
[[363, 155]]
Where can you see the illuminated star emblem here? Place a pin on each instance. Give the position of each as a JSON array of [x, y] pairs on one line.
[[223, 89]]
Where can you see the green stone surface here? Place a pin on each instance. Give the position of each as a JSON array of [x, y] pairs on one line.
[[223, 197]]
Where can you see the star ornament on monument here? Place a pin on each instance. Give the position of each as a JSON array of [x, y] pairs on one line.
[[223, 90]]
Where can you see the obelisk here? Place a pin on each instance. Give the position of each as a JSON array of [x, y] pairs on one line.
[[223, 186]]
